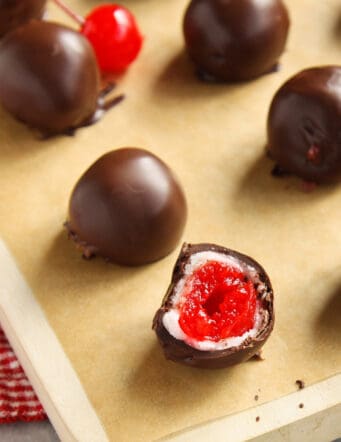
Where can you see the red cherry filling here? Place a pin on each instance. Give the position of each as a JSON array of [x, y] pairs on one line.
[[314, 154], [219, 302], [113, 32]]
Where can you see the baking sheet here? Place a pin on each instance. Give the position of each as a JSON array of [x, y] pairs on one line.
[[213, 136]]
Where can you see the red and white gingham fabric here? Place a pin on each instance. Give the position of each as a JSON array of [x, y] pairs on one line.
[[18, 400]]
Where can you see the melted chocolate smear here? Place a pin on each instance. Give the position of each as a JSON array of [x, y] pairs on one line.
[[103, 106], [108, 88]]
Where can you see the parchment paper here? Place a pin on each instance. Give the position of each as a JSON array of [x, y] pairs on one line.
[[213, 137]]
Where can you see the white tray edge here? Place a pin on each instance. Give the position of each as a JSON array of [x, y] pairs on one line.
[[43, 358]]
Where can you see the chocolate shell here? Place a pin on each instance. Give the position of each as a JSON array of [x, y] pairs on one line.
[[235, 40], [49, 77], [179, 350], [14, 13], [304, 125], [128, 207]]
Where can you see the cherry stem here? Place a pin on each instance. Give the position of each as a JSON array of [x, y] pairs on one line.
[[77, 18]]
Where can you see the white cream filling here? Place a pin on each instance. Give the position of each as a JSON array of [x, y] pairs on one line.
[[171, 318]]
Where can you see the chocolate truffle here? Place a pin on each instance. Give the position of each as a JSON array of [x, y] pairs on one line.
[[14, 13], [304, 125], [218, 310], [49, 77], [235, 40], [127, 207]]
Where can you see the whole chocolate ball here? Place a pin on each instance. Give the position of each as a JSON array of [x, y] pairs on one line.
[[14, 13], [49, 77], [127, 207], [304, 125], [235, 40]]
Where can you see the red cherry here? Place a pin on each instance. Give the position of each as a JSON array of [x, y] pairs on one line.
[[218, 303], [114, 35]]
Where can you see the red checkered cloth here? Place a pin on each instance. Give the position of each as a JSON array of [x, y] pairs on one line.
[[18, 400]]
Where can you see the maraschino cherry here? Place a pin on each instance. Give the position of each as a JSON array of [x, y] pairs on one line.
[[219, 303], [113, 32]]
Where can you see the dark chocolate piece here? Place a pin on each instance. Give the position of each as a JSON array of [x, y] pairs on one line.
[[14, 13], [235, 40], [300, 384], [258, 356], [179, 351], [49, 78], [127, 207], [304, 125]]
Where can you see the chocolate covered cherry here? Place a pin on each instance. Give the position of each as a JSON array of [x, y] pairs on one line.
[[127, 207], [304, 125], [235, 39], [14, 13], [49, 77], [218, 309]]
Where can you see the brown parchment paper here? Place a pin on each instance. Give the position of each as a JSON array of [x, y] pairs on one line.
[[213, 136]]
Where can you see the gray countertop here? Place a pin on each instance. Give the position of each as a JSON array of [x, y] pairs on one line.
[[28, 432], [43, 432]]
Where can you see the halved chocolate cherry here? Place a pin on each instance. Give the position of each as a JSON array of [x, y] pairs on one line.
[[218, 310]]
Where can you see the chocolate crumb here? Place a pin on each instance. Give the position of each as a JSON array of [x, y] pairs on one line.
[[257, 419], [301, 405], [256, 397], [300, 384], [258, 356]]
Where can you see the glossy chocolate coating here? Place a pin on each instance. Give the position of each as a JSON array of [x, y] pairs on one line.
[[127, 207], [49, 77], [179, 351], [304, 125], [14, 13], [235, 40]]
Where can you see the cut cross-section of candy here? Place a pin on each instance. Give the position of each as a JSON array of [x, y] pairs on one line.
[[218, 310]]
